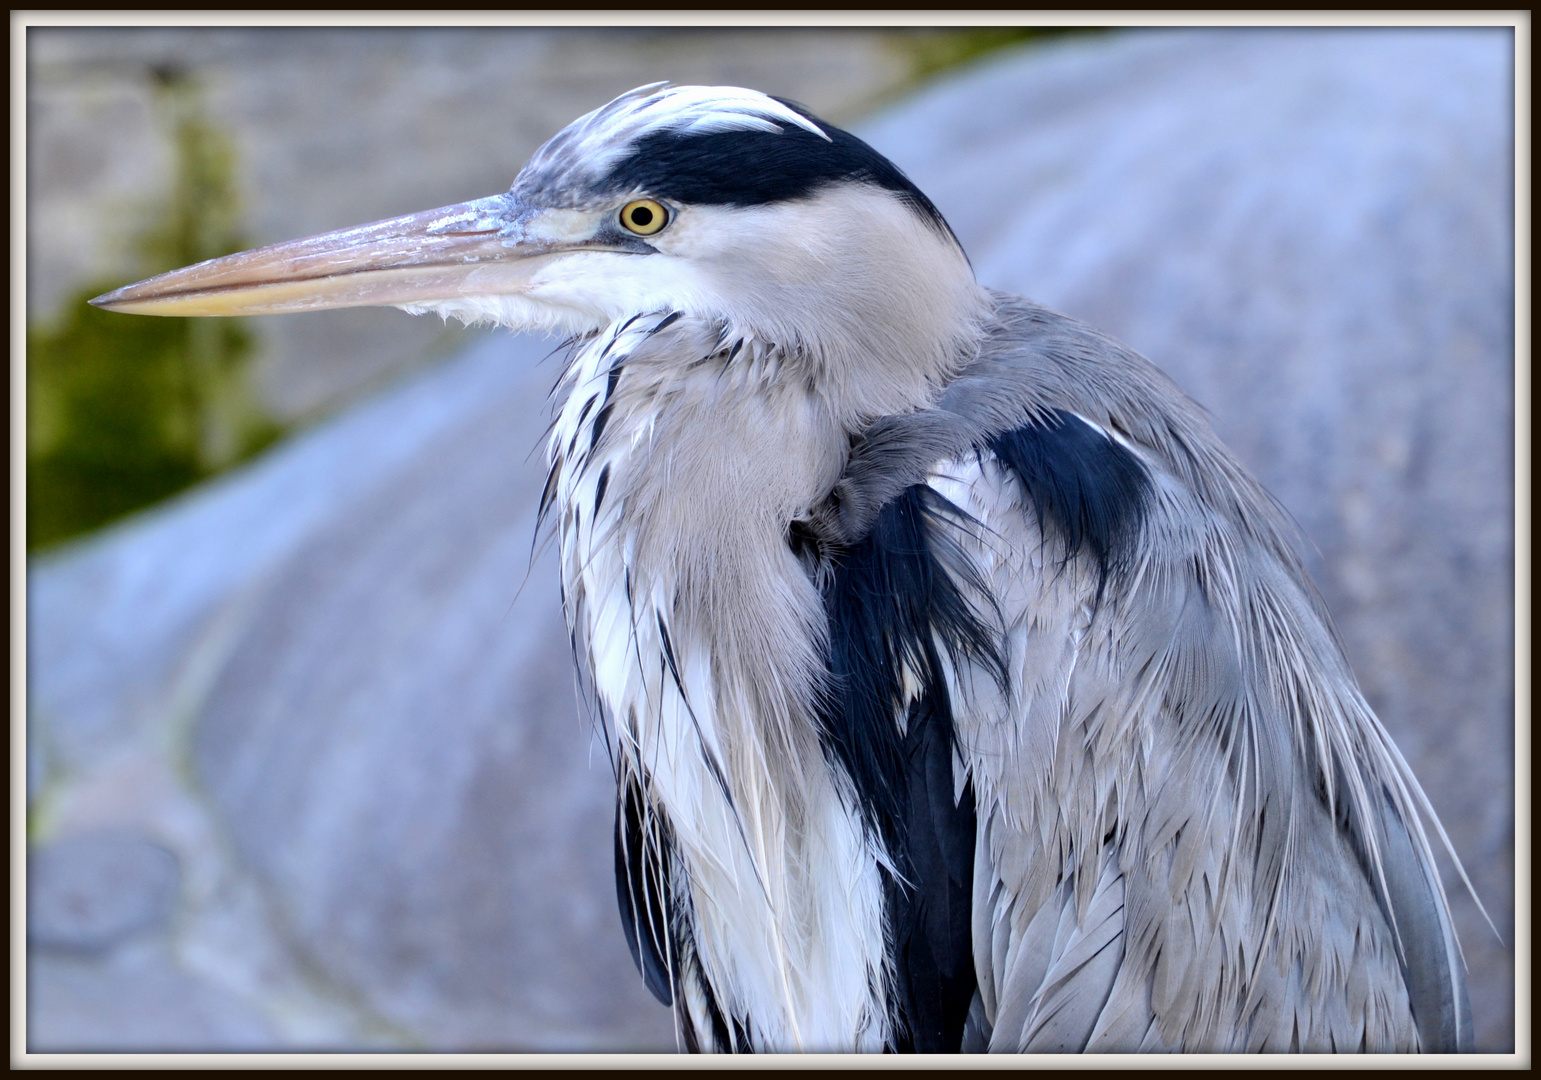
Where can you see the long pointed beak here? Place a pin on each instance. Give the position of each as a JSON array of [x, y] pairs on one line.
[[472, 248]]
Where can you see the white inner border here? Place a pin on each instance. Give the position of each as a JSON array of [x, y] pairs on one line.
[[21, 20]]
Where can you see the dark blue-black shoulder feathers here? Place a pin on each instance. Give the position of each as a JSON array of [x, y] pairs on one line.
[[1088, 488]]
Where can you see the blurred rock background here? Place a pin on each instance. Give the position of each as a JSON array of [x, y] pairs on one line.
[[305, 768]]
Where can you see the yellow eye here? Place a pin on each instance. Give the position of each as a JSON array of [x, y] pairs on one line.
[[644, 217]]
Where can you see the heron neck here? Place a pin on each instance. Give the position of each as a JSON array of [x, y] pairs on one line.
[[679, 463]]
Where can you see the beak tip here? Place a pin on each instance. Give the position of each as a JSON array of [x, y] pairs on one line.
[[128, 300], [108, 300]]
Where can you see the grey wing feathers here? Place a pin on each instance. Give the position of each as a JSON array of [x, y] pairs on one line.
[[1431, 958], [1071, 959], [1193, 833]]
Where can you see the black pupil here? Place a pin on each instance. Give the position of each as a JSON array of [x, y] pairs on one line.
[[641, 217]]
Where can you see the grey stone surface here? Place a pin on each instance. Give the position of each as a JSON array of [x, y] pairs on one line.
[[113, 620], [92, 891], [136, 1001], [337, 688]]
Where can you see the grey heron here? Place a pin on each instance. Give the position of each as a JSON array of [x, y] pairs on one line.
[[962, 690]]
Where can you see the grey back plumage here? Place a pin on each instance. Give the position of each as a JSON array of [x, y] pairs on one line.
[[1193, 833]]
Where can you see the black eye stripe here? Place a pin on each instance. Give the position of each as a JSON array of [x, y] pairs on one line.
[[755, 168]]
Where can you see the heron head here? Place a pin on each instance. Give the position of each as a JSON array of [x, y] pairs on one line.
[[718, 202]]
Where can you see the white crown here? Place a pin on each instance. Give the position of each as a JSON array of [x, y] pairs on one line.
[[595, 140]]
